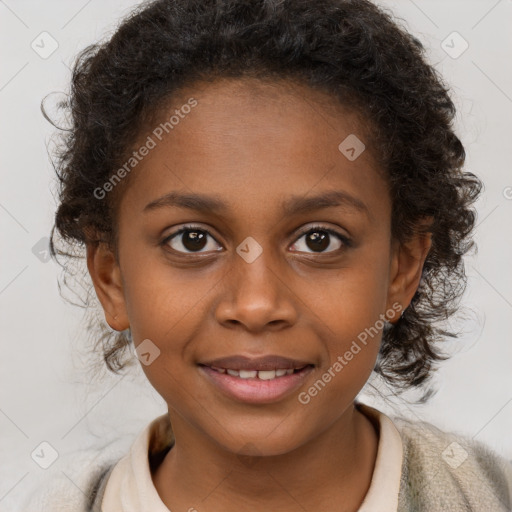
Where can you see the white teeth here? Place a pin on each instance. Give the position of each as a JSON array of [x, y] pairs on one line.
[[247, 374], [251, 374]]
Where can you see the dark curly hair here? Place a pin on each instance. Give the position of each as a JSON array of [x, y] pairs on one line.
[[352, 50]]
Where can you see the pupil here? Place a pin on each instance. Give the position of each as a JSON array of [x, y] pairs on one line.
[[317, 240], [194, 240]]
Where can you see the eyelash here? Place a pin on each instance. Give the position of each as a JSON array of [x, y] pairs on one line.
[[344, 240]]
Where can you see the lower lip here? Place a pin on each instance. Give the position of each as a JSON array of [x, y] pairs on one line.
[[256, 390]]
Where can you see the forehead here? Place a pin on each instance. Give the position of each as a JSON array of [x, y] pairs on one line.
[[256, 142]]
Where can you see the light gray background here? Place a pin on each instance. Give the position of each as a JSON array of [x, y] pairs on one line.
[[45, 393]]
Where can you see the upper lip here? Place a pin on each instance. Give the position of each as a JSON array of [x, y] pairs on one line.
[[270, 362]]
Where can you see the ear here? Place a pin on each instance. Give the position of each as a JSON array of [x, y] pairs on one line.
[[106, 277], [407, 263]]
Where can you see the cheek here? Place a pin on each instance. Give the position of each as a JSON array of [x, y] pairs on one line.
[[353, 350], [351, 308], [352, 343], [168, 307], [353, 298], [162, 302]]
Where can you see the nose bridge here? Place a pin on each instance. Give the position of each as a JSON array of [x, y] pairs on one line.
[[255, 292], [255, 267]]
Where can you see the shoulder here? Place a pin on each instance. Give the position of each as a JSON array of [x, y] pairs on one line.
[[79, 479], [75, 483], [451, 471]]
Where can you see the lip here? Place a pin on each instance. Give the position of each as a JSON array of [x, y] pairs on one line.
[[255, 390], [270, 362]]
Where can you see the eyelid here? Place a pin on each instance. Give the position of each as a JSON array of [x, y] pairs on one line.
[[188, 227], [344, 238]]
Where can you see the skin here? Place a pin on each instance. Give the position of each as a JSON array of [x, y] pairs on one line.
[[254, 145]]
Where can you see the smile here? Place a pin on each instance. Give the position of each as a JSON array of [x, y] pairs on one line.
[[257, 385]]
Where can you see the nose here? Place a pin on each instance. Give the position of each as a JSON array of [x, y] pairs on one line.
[[257, 295]]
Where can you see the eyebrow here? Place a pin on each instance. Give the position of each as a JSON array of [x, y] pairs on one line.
[[292, 206]]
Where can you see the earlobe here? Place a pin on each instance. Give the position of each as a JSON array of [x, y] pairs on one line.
[[106, 277], [406, 270]]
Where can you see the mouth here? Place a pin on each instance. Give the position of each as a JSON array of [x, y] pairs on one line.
[[256, 380], [258, 374]]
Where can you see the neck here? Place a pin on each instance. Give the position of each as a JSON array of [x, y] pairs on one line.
[[332, 471]]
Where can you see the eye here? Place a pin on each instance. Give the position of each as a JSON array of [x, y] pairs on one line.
[[192, 238], [318, 239]]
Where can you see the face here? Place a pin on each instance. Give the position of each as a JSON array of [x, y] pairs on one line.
[[285, 252]]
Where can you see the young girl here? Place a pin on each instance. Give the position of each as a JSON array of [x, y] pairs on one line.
[[272, 202]]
